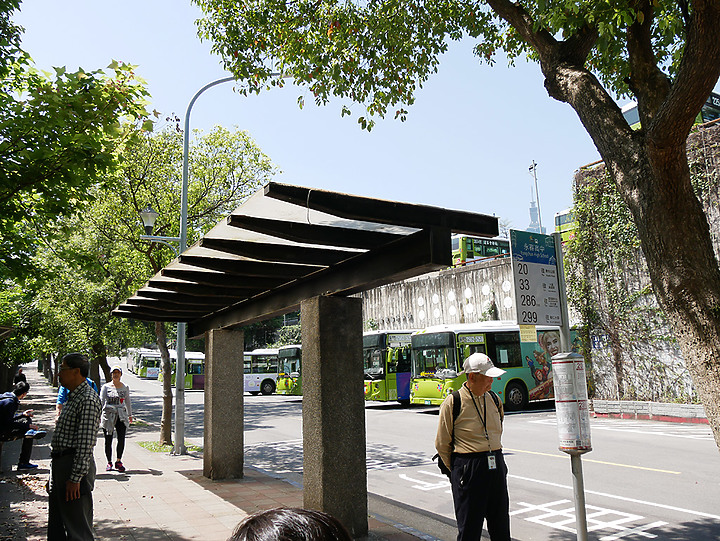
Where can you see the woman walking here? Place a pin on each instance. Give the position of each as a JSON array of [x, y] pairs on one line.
[[116, 415]]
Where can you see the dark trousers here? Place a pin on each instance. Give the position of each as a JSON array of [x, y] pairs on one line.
[[27, 443], [121, 430], [73, 520], [480, 494]]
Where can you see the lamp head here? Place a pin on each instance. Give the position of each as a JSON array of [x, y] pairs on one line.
[[148, 216]]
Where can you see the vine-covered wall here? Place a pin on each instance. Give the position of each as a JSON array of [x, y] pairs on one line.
[[626, 338]]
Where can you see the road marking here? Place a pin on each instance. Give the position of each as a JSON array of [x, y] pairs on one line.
[[421, 484], [560, 515], [691, 431], [622, 498], [557, 455]]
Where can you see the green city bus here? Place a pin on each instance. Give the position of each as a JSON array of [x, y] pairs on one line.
[[289, 380], [470, 249], [148, 363], [386, 356], [438, 353], [194, 369], [565, 224]]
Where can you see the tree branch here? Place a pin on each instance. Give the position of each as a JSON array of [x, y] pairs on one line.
[[647, 81], [698, 73]]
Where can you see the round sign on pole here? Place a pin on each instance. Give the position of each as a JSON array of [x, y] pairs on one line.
[[571, 403]]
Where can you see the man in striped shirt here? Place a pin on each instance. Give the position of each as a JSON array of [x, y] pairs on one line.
[[72, 467]]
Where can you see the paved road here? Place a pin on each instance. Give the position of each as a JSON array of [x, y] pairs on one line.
[[643, 479]]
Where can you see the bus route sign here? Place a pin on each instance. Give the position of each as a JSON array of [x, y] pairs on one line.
[[534, 266]]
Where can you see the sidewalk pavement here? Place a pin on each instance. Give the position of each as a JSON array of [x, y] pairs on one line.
[[159, 497]]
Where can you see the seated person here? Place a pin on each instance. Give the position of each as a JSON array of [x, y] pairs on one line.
[[14, 425]]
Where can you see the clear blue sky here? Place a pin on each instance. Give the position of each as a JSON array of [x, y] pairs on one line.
[[467, 144]]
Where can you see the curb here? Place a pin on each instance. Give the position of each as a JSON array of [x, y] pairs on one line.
[[650, 411]]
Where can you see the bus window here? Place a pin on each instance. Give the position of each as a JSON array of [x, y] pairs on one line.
[[504, 349], [469, 349], [195, 369]]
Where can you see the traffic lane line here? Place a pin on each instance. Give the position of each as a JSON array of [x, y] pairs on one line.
[[621, 498], [619, 465]]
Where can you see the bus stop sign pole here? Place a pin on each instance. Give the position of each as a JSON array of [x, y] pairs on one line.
[[573, 421]]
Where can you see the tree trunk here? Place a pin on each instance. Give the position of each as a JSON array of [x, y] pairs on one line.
[[166, 420], [652, 174], [676, 242], [99, 361]]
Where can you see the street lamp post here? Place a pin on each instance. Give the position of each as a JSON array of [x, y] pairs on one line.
[[179, 447]]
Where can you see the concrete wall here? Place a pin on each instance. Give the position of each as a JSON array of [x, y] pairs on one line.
[[476, 292]]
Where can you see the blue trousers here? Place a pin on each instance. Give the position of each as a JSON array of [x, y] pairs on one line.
[[480, 494]]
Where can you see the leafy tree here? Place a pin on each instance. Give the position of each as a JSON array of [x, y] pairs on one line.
[[58, 136], [663, 53], [225, 167]]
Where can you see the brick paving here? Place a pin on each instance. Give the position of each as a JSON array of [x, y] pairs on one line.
[[159, 497]]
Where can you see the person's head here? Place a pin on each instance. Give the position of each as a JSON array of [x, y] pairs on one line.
[[480, 371], [19, 371], [550, 342], [290, 524], [116, 372], [21, 389], [72, 368]]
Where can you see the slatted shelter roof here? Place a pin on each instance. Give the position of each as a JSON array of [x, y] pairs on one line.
[[286, 244]]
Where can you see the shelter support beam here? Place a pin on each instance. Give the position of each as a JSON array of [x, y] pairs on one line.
[[335, 472], [223, 456]]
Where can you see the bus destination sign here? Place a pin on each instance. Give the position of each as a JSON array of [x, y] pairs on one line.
[[534, 266]]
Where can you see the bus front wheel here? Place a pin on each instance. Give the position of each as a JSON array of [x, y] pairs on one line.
[[516, 396], [267, 387]]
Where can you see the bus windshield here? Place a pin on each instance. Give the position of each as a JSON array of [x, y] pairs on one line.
[[289, 363], [439, 362], [374, 363]]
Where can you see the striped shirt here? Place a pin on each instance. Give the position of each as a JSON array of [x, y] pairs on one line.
[[77, 428]]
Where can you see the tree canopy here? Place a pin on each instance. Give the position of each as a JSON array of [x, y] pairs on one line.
[[664, 54], [59, 133]]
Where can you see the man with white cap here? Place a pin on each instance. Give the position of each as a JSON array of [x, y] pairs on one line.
[[470, 447]]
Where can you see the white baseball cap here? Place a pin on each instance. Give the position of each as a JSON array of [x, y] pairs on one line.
[[116, 367], [479, 363]]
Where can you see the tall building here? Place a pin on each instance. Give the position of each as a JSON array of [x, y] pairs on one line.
[[535, 219]]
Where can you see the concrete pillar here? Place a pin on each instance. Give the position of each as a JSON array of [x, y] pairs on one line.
[[334, 468], [224, 386]]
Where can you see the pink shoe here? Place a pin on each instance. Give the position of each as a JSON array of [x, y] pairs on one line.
[[119, 466], [108, 467]]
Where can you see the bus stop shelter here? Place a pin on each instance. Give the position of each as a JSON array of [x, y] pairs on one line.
[[288, 247]]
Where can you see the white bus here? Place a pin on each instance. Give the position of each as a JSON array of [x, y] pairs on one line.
[[261, 371]]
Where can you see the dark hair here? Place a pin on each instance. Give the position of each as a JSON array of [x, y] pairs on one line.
[[77, 360], [21, 387], [290, 524]]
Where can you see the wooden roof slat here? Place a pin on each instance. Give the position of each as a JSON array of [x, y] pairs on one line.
[[135, 314], [354, 207], [200, 290], [418, 253], [313, 234], [209, 278], [180, 298], [272, 252], [270, 272]]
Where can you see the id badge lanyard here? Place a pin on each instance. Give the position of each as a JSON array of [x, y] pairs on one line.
[[492, 463]]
